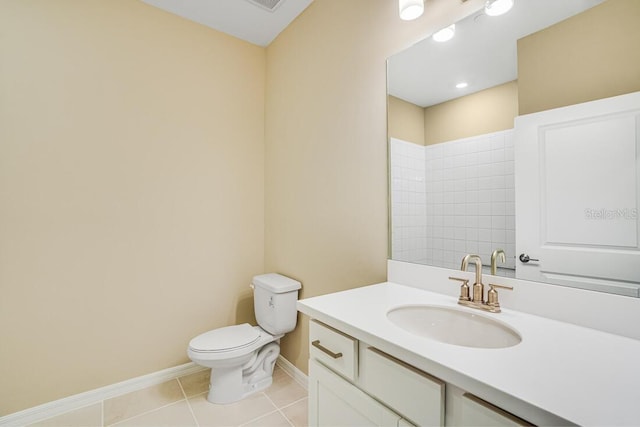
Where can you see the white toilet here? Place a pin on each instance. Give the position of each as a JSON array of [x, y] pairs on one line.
[[242, 357]]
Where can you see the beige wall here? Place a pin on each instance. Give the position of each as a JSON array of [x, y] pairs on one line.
[[326, 144], [405, 120], [490, 110], [590, 56], [131, 191], [487, 111]]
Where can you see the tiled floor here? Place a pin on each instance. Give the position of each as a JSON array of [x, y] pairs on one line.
[[183, 402]]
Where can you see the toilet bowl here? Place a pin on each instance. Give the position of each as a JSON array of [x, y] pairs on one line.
[[241, 362], [242, 357]]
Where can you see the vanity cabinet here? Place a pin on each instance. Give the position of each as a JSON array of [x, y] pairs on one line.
[[354, 384]]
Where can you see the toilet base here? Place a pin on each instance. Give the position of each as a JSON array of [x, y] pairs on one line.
[[230, 385]]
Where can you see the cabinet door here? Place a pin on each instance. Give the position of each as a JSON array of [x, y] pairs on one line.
[[477, 412], [335, 402]]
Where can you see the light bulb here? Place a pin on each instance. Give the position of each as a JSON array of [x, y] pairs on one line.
[[410, 9], [497, 7], [445, 34]]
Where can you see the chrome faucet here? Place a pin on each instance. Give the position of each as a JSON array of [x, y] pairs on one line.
[[494, 265], [477, 299]]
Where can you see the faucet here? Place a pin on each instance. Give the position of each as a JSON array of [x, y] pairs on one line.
[[477, 300], [494, 265], [478, 287]]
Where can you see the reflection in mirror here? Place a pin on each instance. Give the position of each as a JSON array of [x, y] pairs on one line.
[[451, 149]]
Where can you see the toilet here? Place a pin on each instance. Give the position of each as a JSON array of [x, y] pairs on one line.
[[242, 357]]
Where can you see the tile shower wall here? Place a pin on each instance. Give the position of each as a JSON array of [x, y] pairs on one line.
[[468, 202], [408, 202]]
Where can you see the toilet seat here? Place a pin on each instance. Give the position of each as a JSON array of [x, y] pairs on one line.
[[225, 339]]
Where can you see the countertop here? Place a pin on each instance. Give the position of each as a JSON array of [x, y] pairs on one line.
[[577, 374]]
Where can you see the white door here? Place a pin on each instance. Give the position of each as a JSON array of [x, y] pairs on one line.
[[578, 194]]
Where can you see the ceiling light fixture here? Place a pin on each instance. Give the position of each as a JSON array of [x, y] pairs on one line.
[[497, 7], [462, 85], [445, 34], [410, 9]]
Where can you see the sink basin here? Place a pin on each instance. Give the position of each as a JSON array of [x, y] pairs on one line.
[[454, 326]]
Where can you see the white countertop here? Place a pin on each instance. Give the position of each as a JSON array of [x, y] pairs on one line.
[[581, 375]]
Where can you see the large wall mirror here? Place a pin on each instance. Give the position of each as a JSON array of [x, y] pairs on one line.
[[455, 153]]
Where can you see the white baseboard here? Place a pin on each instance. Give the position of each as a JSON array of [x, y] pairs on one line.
[[77, 401], [91, 397], [296, 373]]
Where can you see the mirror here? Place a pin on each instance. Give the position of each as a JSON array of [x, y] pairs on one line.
[[451, 149]]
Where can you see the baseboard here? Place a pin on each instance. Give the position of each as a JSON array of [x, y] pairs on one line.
[[296, 373], [77, 401]]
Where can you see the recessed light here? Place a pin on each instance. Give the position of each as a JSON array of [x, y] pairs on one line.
[[445, 34], [497, 7], [462, 85]]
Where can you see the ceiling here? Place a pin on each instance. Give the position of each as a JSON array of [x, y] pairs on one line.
[[483, 52], [256, 21]]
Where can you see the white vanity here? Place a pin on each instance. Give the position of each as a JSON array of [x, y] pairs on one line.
[[366, 370]]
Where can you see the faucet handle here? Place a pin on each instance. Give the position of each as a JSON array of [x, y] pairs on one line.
[[464, 288], [492, 296]]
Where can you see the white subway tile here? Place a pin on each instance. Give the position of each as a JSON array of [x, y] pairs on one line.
[[484, 234], [484, 221], [498, 222]]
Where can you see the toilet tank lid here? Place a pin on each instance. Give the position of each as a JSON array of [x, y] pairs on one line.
[[276, 283]]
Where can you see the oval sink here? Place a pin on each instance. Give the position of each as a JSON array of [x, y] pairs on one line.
[[453, 326]]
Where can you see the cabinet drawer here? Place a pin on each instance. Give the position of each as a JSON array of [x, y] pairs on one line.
[[412, 393], [334, 349], [477, 412]]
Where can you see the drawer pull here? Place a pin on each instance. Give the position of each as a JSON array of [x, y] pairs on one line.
[[325, 350]]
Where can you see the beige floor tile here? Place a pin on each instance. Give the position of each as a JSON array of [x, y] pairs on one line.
[[234, 414], [174, 415], [274, 419], [131, 404], [196, 383], [297, 413], [90, 416], [284, 390]]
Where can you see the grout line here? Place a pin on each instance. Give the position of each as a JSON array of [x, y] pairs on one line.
[[270, 400], [149, 411], [294, 402], [260, 417], [287, 406], [286, 418], [145, 413], [263, 415], [184, 393], [278, 409]]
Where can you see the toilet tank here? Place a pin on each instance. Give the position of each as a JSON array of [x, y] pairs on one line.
[[274, 302]]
